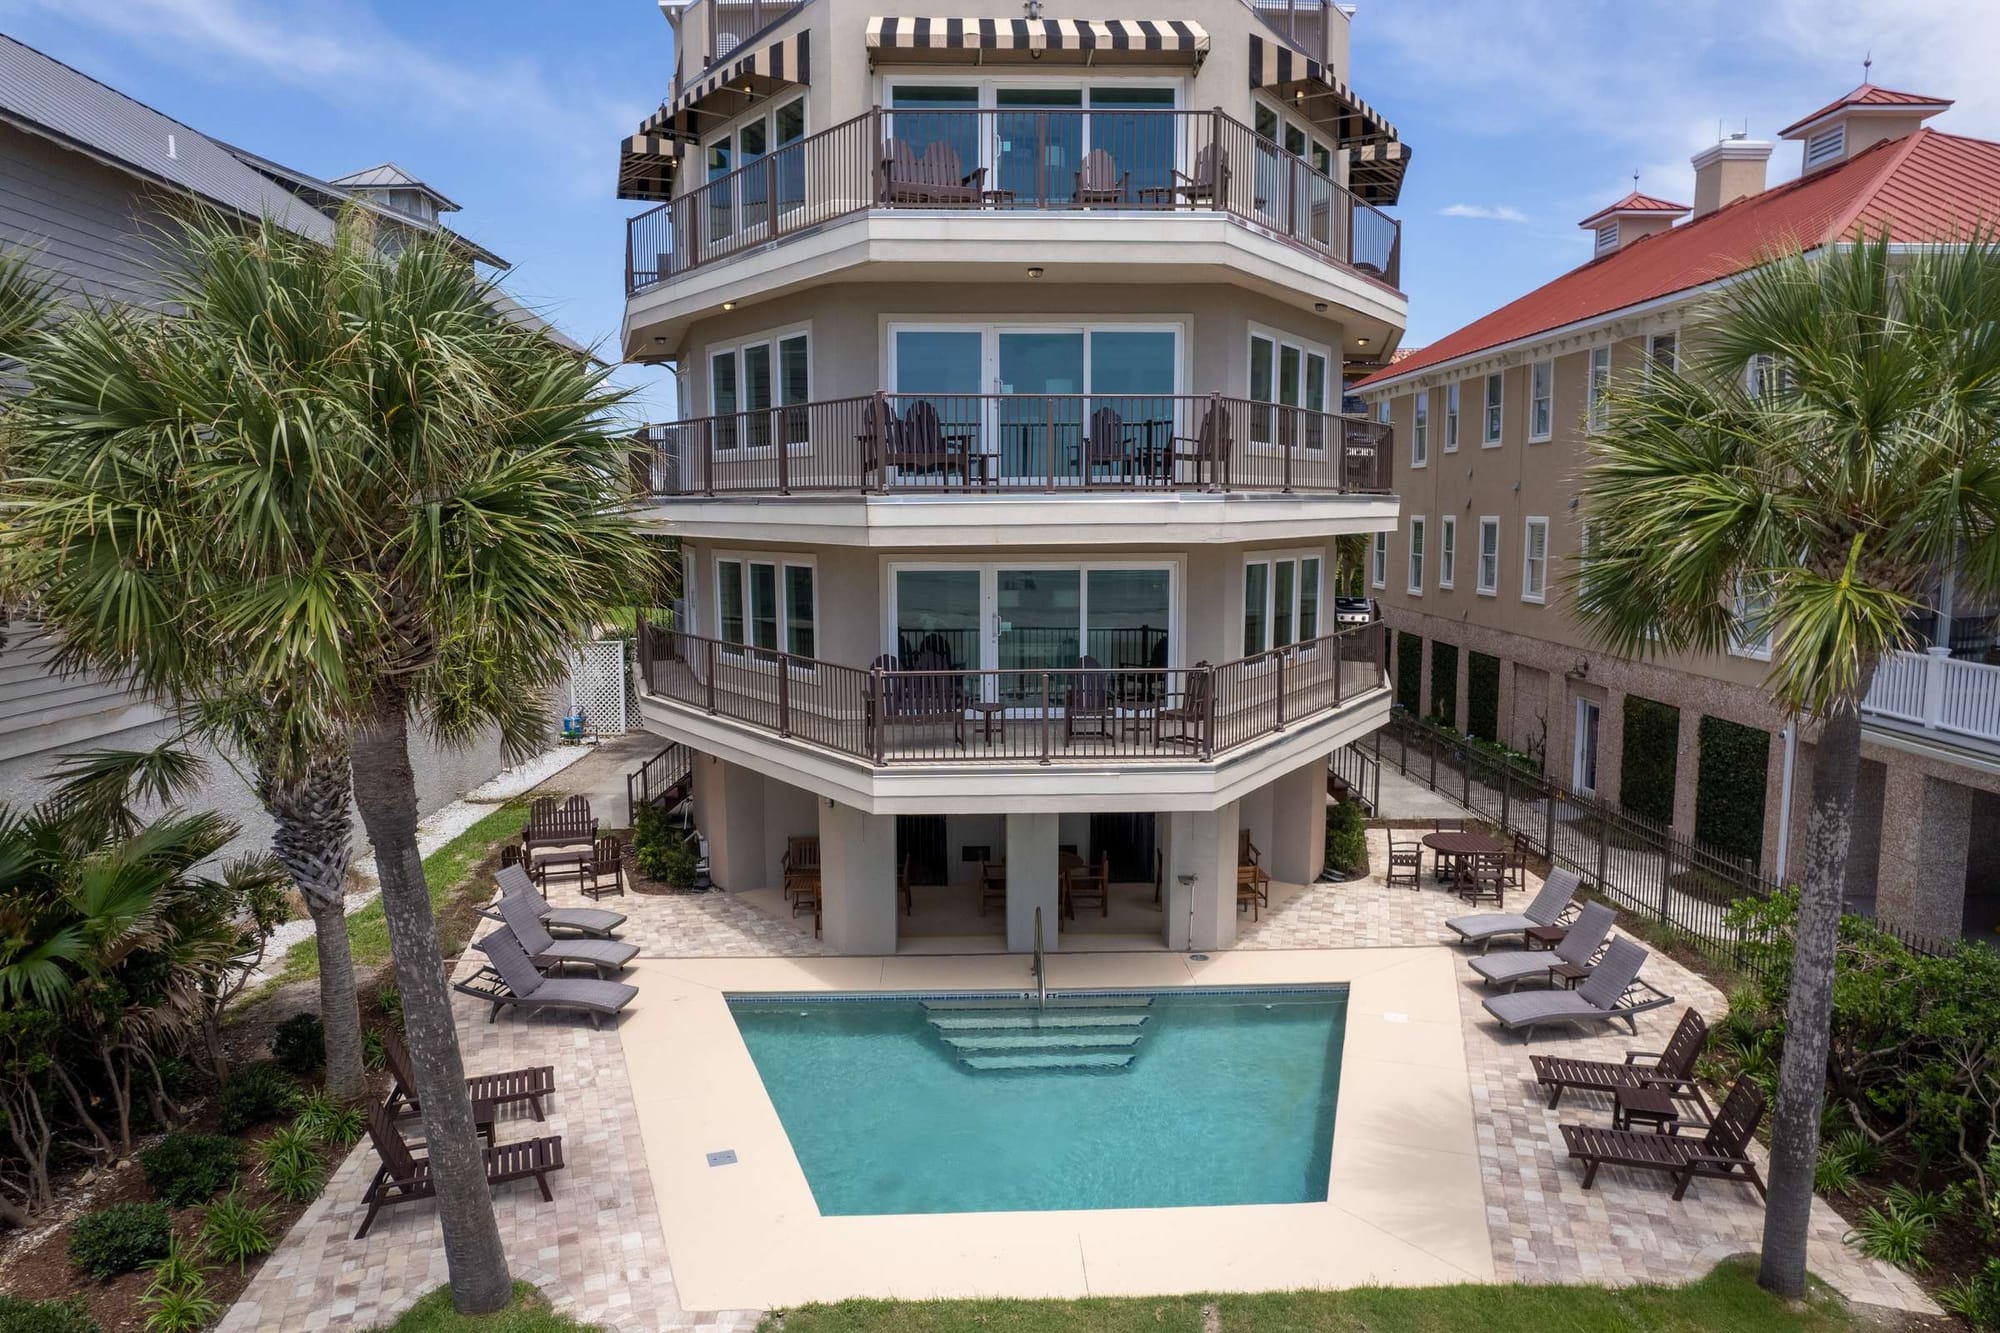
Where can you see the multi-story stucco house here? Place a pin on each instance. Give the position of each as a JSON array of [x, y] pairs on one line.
[[1011, 464], [1492, 423], [92, 179]]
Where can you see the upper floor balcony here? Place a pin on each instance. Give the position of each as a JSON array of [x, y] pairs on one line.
[[999, 164], [1955, 697]]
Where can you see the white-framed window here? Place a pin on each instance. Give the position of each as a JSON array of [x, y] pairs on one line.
[[1420, 431], [1378, 561], [1289, 372], [1280, 601], [1763, 375], [1416, 555], [1451, 417], [747, 201], [1541, 401], [1496, 398], [1599, 386], [768, 602], [1448, 551], [1293, 133], [1489, 555], [1663, 351], [1382, 411], [1750, 636], [749, 378], [1825, 146], [1535, 560]]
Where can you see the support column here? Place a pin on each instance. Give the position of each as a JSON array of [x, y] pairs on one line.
[[1560, 761], [1611, 746], [1687, 769], [1774, 803], [729, 810], [1503, 713], [1298, 824], [1031, 881], [1461, 702], [1203, 845], [1926, 832], [857, 876], [1425, 647]]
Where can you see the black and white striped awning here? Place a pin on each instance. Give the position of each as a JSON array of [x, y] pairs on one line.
[[1057, 41], [734, 86], [1376, 154], [646, 166]]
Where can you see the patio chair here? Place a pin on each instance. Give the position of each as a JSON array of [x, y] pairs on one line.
[[806, 894], [405, 1178], [801, 863], [592, 922], [510, 1088], [1107, 449], [1613, 991], [1206, 452], [1087, 702], [511, 979], [903, 894], [1480, 876], [1722, 1152], [1189, 717], [1672, 1068], [1578, 949], [1551, 905], [899, 181], [937, 178], [550, 953], [1406, 862], [1209, 183], [1098, 180], [607, 858], [1091, 887], [992, 885]]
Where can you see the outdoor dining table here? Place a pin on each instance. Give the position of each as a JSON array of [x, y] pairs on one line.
[[1455, 846]]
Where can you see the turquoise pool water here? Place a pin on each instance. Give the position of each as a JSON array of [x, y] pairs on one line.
[[963, 1105]]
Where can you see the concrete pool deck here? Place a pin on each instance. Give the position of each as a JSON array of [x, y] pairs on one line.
[[1404, 1207]]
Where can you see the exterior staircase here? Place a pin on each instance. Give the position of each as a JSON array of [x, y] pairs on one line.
[[1073, 1034]]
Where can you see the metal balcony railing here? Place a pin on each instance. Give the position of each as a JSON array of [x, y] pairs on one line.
[[1012, 161], [1939, 692]]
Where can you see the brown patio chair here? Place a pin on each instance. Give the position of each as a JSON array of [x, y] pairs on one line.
[[801, 864], [919, 700], [405, 1178], [528, 1085], [1482, 876], [1209, 183], [1206, 452], [1406, 862], [607, 859], [992, 885], [903, 894], [1087, 886], [1722, 1152], [900, 182], [1106, 447], [1087, 701], [1098, 180], [1189, 717], [1253, 882], [943, 180], [1671, 1069]]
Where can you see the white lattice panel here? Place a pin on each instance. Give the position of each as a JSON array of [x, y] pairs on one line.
[[597, 685]]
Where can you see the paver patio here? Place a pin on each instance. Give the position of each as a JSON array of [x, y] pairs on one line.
[[599, 1250]]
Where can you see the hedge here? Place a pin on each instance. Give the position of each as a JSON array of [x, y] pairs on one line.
[[1730, 786], [1482, 696], [1444, 683], [1409, 670], [1651, 765]]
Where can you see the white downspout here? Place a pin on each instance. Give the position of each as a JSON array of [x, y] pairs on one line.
[[1785, 800]]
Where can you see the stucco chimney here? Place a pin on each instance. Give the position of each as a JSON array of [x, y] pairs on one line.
[[1728, 171]]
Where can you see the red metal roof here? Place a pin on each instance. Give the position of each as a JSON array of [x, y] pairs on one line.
[[1636, 203], [1867, 95], [1923, 186]]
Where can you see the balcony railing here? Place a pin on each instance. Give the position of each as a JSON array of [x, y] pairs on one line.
[[886, 715], [1014, 161], [1303, 23], [732, 23], [1939, 692], [997, 443]]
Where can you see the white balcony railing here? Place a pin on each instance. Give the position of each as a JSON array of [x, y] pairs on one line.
[[1938, 691]]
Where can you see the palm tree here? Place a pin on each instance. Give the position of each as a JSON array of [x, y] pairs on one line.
[[338, 473], [1830, 451]]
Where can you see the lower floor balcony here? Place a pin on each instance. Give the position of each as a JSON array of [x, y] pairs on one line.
[[1939, 693]]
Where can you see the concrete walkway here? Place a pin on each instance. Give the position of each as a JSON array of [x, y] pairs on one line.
[[1407, 798], [599, 776]]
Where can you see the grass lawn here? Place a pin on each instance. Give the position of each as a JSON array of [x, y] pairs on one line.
[[1728, 1299], [444, 871], [528, 1314]]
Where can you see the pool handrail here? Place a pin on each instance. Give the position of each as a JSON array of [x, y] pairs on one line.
[[1041, 966]]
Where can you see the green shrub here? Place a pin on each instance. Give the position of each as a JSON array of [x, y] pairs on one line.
[[254, 1094], [186, 1169], [1731, 780], [374, 1052], [299, 1044], [1893, 1236], [178, 1269], [118, 1239], [389, 1002], [1977, 1299], [661, 850], [236, 1232], [180, 1309], [1346, 839], [67, 1316], [1482, 696], [1651, 763], [1863, 1152], [291, 1164], [1833, 1173], [326, 1121]]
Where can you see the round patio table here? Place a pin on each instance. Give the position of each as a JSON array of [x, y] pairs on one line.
[[1452, 846]]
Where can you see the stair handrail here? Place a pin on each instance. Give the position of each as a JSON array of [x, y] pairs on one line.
[[1041, 966]]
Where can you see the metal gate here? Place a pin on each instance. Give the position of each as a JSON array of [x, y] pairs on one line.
[[597, 686]]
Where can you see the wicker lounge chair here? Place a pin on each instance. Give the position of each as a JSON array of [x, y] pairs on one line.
[[1578, 948], [1549, 906], [1613, 991], [405, 1178], [1722, 1151], [595, 922], [528, 1085], [548, 952], [1098, 180], [511, 978], [1672, 1069]]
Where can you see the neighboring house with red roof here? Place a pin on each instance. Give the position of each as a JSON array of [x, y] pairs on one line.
[[1491, 422]]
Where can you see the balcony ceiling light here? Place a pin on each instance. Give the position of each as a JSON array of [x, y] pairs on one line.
[[729, 305], [1360, 342], [1034, 270]]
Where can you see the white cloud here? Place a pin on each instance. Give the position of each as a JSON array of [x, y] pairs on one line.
[[1488, 212]]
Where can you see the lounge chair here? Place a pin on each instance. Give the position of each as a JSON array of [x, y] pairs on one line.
[[1672, 1069], [1613, 991], [405, 1178], [511, 978], [595, 922], [1578, 948], [528, 1085], [1548, 907], [1722, 1151], [607, 956]]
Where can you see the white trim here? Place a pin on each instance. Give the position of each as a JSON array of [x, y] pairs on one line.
[[1824, 147], [1447, 552], [1545, 401], [1484, 585], [1585, 704], [1308, 351], [1270, 560], [1419, 531], [1652, 344], [1596, 384], [989, 570], [779, 563], [1758, 649], [1492, 415], [992, 327], [1378, 562], [1529, 527], [736, 349], [1452, 395], [1420, 429], [1607, 238]]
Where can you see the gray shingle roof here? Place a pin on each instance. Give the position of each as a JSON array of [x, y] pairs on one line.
[[389, 176]]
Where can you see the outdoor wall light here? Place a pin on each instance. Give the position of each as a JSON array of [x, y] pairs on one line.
[[1319, 307], [1035, 270]]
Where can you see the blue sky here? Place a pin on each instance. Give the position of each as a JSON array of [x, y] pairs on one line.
[[1524, 115]]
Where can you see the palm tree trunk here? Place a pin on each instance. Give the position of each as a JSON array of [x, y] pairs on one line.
[[1809, 1008], [314, 841], [385, 789]]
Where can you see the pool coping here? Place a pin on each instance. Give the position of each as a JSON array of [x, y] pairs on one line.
[[1405, 1203]]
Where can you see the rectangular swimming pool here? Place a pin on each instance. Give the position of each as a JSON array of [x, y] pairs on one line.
[[966, 1104]]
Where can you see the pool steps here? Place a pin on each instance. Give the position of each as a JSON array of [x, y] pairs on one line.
[[1080, 1033]]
